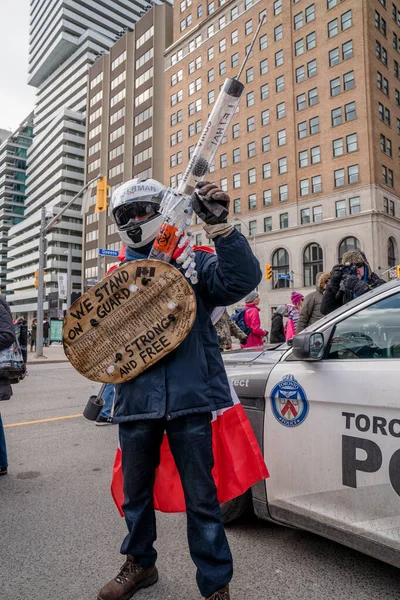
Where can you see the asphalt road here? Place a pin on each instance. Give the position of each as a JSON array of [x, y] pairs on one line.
[[60, 532]]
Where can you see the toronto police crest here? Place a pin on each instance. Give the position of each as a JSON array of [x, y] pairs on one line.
[[289, 402]]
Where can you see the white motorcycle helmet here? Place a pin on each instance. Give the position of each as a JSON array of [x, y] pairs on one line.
[[131, 203]]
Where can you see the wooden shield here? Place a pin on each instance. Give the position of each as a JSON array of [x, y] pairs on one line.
[[128, 321]]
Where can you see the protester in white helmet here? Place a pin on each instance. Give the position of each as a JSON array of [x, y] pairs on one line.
[[178, 395]]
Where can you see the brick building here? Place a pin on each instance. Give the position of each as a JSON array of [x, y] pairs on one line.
[[125, 123], [311, 159]]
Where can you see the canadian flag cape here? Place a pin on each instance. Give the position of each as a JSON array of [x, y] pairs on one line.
[[238, 461]]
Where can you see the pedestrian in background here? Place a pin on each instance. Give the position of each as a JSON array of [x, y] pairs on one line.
[[293, 314], [33, 334], [252, 321], [311, 310], [277, 328], [46, 332], [7, 338], [353, 278], [226, 329], [23, 337], [105, 417]]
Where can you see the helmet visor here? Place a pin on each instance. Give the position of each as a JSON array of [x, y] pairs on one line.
[[136, 210]]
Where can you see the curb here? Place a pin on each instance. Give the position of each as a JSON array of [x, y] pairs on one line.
[[46, 362]]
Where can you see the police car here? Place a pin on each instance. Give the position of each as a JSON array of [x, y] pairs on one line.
[[326, 414]]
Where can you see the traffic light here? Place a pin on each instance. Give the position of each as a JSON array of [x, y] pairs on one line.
[[101, 195], [398, 271], [36, 282], [268, 272]]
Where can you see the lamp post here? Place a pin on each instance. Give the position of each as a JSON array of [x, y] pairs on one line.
[[253, 235], [42, 236]]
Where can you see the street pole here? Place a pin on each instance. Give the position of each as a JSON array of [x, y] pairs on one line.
[[69, 277], [292, 279], [42, 234], [40, 305]]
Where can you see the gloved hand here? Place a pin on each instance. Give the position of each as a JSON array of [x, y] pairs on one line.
[[210, 203], [336, 276], [356, 286]]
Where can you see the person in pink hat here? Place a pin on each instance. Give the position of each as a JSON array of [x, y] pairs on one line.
[[293, 314]]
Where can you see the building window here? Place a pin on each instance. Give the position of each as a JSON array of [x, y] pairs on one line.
[[355, 207], [278, 33], [284, 220], [334, 57], [267, 197], [312, 68], [281, 137], [311, 41], [234, 37], [391, 253], [316, 184], [353, 174], [282, 165], [298, 21], [335, 86], [313, 263], [222, 67], [280, 264], [305, 216], [266, 170], [236, 181], [315, 155], [280, 83], [317, 214], [336, 115], [303, 159], [248, 27], [304, 187], [301, 102], [338, 147], [252, 201], [280, 110], [235, 60], [235, 131], [251, 175], [250, 99], [251, 149], [265, 119], [346, 20], [267, 224], [264, 91], [310, 13], [313, 97], [266, 144], [348, 81], [350, 111], [302, 130], [252, 228], [299, 47], [300, 74], [236, 155], [340, 208], [351, 143], [237, 207], [277, 7], [264, 66], [339, 178], [349, 243], [223, 161], [224, 184], [283, 193], [251, 124], [249, 75], [211, 97], [333, 28], [347, 50], [263, 42]]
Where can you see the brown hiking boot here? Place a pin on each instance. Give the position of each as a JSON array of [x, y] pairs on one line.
[[131, 578], [222, 594]]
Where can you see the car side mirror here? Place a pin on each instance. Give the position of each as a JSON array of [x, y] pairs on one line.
[[308, 346]]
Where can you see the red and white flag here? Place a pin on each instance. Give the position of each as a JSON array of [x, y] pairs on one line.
[[238, 463]]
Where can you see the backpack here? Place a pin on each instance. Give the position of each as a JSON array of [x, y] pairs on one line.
[[238, 318]]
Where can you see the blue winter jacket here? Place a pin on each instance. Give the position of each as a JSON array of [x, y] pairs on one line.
[[192, 378]]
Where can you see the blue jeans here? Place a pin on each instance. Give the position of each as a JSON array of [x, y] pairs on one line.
[[108, 397], [191, 445], [3, 449]]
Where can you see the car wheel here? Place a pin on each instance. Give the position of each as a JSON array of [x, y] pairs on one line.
[[236, 508]]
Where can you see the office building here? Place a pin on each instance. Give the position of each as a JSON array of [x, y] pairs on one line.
[[126, 116], [311, 159], [13, 154], [65, 40]]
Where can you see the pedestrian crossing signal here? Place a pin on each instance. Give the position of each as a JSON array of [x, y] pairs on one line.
[[36, 282], [268, 272], [398, 271]]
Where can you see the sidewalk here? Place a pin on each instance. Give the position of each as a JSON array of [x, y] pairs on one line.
[[52, 354]]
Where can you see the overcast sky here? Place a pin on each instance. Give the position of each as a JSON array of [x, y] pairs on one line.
[[17, 99]]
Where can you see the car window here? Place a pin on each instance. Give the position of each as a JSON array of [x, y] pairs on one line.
[[373, 332]]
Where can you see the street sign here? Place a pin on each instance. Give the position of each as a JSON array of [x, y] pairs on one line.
[[62, 285], [105, 252], [284, 276]]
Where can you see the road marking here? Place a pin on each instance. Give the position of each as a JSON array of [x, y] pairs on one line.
[[43, 420]]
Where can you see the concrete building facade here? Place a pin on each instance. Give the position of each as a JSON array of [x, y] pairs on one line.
[[311, 159], [66, 38], [13, 158], [126, 122]]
